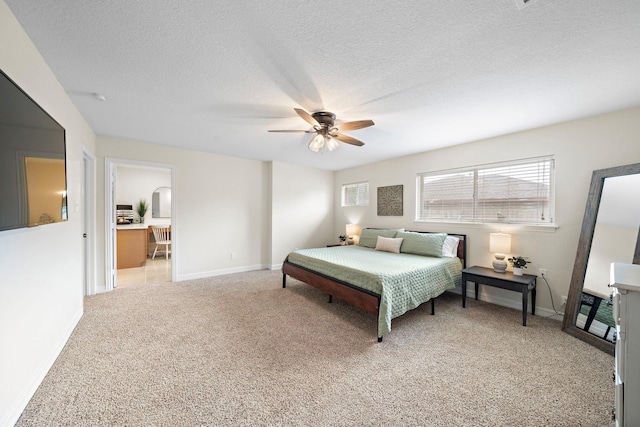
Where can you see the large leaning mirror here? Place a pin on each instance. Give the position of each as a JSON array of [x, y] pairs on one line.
[[161, 203], [610, 233]]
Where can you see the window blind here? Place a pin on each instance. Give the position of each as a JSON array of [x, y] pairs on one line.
[[514, 192], [356, 194]]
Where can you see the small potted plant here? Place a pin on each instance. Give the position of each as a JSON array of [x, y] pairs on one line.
[[518, 263], [343, 240], [141, 209]]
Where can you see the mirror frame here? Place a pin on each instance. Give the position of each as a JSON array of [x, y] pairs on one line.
[[152, 193], [582, 255]]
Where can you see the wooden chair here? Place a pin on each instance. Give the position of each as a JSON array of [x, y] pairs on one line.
[[162, 234]]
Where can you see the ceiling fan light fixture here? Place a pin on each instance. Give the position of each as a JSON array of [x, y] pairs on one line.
[[332, 144], [327, 134], [316, 143]]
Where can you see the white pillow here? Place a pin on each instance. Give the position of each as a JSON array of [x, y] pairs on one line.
[[450, 247], [389, 244]]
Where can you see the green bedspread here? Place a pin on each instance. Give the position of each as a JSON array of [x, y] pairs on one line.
[[403, 281]]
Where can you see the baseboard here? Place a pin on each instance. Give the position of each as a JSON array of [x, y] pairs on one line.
[[213, 273], [515, 303], [14, 412]]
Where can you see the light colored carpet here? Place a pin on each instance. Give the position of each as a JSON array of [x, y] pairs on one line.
[[240, 350]]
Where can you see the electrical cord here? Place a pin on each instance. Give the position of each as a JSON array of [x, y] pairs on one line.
[[551, 296]]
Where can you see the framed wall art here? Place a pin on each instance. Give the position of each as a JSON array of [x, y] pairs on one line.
[[390, 201]]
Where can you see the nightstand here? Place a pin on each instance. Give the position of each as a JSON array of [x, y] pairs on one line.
[[486, 276]]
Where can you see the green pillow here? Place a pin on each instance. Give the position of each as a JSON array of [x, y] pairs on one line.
[[369, 236], [427, 244]]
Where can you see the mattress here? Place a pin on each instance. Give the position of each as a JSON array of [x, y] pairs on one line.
[[403, 281]]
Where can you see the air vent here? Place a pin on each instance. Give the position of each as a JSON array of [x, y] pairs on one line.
[[523, 3]]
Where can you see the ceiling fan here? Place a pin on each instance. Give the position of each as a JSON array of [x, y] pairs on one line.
[[326, 131]]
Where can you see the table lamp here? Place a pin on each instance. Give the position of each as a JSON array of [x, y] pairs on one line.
[[352, 233], [500, 244]]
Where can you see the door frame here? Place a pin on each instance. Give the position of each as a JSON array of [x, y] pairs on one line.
[[88, 197], [111, 164]]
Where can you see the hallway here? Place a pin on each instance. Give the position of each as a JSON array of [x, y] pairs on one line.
[[154, 271]]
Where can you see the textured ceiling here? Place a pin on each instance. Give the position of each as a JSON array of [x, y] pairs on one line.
[[215, 76]]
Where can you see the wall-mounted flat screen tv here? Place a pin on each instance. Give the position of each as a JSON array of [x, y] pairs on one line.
[[33, 173]]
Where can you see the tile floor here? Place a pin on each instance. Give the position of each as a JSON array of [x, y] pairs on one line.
[[154, 270]]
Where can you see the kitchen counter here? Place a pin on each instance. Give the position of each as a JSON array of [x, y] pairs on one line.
[[132, 241], [131, 226]]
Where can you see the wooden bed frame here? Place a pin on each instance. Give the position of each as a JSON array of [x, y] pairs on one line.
[[358, 297]]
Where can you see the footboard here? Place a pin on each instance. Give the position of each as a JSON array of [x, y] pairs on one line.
[[361, 298]]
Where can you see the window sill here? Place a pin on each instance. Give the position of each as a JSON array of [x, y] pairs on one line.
[[543, 228]]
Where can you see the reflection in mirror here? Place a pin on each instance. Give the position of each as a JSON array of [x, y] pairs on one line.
[[614, 240], [161, 203], [45, 193], [610, 233]]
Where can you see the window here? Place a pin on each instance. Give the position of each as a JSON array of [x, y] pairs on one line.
[[355, 194], [513, 192]]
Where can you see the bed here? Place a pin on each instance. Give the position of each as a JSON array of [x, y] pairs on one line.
[[387, 274]]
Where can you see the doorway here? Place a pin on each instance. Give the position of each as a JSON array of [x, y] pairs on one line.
[[128, 182]]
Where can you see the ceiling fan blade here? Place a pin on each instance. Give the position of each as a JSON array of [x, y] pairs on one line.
[[359, 124], [307, 117], [347, 139], [293, 131]]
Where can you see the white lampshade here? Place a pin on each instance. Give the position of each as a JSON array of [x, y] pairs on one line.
[[353, 232], [316, 143], [332, 144], [500, 244], [352, 229]]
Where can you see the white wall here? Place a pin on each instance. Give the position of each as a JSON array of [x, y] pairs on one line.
[[301, 209], [579, 147], [41, 285], [222, 207], [258, 211]]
